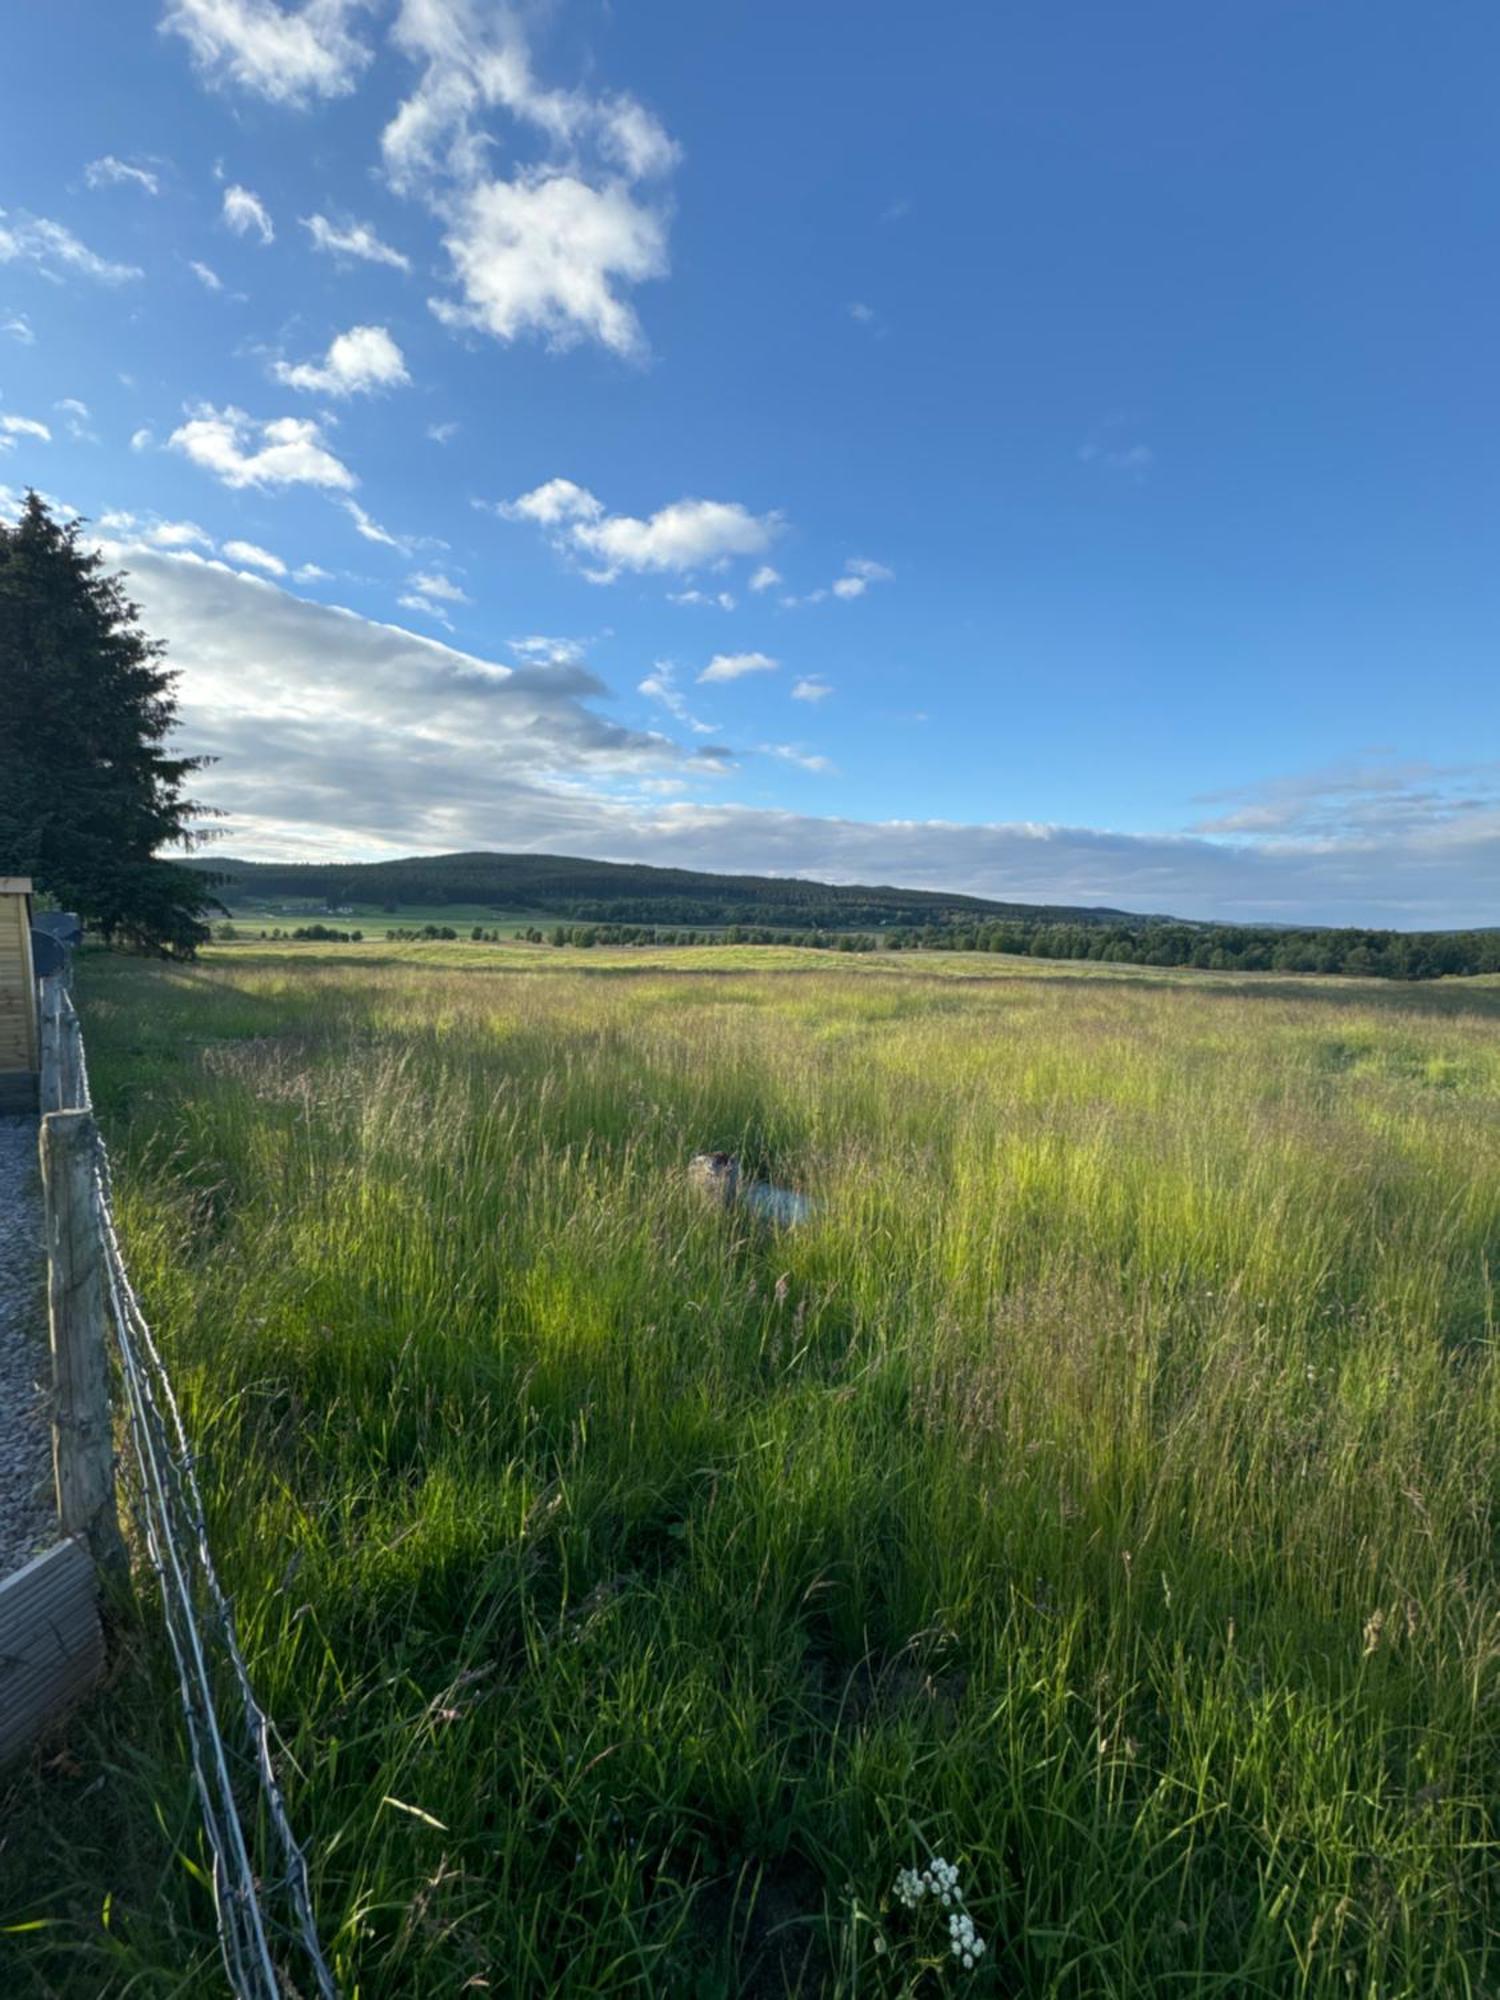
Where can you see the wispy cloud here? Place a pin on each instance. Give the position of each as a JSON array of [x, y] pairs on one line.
[[13, 427], [660, 685], [151, 531], [372, 531], [859, 574], [793, 753], [811, 688], [245, 213], [553, 249], [432, 583], [110, 172], [75, 415], [734, 666], [287, 54], [56, 251], [1115, 448], [713, 600], [356, 240]]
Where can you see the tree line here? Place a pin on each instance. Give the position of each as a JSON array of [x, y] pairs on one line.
[[1227, 947], [1208, 947]]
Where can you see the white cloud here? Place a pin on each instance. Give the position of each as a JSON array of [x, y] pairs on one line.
[[793, 753], [372, 531], [288, 451], [542, 255], [733, 666], [688, 534], [32, 239], [541, 649], [811, 689], [152, 532], [18, 326], [206, 275], [142, 439], [244, 211], [720, 600], [110, 172], [286, 54], [311, 573], [556, 501], [476, 60], [357, 363], [353, 239], [414, 601], [765, 578], [432, 583], [858, 310], [12, 428], [549, 249], [858, 575], [254, 557], [442, 433]]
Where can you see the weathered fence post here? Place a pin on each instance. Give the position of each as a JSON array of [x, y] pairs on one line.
[[50, 1082], [82, 1433]]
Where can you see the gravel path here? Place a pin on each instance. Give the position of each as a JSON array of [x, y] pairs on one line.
[[28, 1521]]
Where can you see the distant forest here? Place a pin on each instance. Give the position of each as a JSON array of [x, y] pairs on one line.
[[1154, 941]]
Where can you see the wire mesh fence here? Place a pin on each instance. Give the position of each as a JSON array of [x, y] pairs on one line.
[[267, 1934]]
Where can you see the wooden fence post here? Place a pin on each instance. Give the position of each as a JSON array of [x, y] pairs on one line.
[[49, 1085], [82, 1432]]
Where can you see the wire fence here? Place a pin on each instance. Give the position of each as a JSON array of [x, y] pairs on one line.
[[267, 1933]]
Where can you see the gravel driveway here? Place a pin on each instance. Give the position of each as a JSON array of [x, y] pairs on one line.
[[28, 1520]]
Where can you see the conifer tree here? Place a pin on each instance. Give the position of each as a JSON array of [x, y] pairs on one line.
[[90, 795]]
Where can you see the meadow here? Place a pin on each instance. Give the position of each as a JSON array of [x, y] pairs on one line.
[[1098, 1492]]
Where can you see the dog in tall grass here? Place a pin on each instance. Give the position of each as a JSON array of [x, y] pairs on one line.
[[719, 1177]]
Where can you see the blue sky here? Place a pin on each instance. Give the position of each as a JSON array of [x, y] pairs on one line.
[[1044, 450]]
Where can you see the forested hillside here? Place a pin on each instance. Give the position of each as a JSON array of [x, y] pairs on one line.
[[614, 892]]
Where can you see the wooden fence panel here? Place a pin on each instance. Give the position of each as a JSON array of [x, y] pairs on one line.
[[51, 1645]]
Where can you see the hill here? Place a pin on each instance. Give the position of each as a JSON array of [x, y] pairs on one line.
[[557, 885]]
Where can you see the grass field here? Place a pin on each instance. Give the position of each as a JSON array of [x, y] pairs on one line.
[[1098, 1492]]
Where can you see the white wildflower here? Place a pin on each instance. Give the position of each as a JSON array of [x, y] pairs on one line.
[[964, 1941], [910, 1888]]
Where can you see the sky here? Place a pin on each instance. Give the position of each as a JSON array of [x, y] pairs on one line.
[[1041, 450]]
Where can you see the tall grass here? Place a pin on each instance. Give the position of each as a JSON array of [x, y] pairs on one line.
[[1098, 1491]]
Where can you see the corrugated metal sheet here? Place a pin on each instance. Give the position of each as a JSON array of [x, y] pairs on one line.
[[51, 1645]]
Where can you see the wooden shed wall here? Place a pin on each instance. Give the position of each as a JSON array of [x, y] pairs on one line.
[[18, 1028]]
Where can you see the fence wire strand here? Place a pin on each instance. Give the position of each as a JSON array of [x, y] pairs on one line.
[[264, 1915]]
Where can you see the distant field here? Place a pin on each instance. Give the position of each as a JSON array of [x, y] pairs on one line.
[[1099, 1491], [375, 922]]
